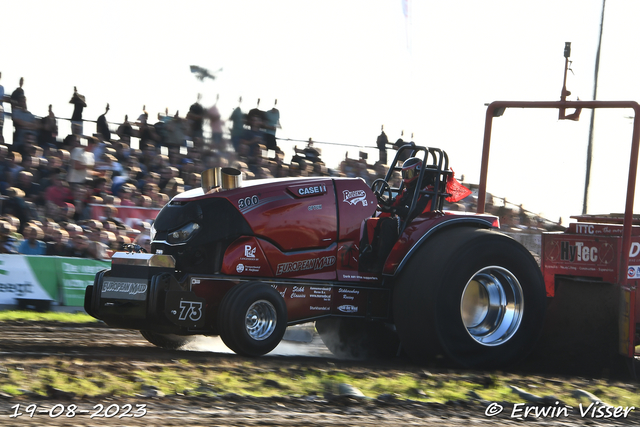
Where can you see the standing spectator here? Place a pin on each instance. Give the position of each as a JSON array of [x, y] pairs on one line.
[[48, 130], [102, 127], [17, 94], [237, 119], [195, 116], [79, 104], [175, 131], [125, 131], [82, 162], [146, 133], [382, 142], [216, 125], [271, 122], [24, 123], [8, 244], [32, 244], [252, 139]]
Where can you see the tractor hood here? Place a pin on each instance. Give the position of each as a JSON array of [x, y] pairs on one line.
[[292, 214]]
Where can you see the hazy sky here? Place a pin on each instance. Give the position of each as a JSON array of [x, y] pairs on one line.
[[341, 69]]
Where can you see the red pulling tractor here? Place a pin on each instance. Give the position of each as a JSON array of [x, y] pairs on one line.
[[246, 262]]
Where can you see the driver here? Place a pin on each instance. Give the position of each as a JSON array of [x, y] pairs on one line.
[[384, 228]]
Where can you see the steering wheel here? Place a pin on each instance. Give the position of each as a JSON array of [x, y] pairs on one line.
[[379, 187]]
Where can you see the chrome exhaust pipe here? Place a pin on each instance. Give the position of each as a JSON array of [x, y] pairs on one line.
[[220, 179], [231, 178]]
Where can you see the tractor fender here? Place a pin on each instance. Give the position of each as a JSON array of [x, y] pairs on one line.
[[417, 235]]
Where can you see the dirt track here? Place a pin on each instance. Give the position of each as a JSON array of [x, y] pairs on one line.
[[112, 349]]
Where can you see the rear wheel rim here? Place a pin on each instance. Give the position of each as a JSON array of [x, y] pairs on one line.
[[492, 305], [261, 320]]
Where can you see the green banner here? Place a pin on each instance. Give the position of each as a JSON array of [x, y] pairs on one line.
[[37, 278]]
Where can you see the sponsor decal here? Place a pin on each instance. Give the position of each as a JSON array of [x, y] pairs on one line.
[[282, 293], [312, 190], [249, 252], [307, 264], [319, 308], [578, 252], [159, 251], [314, 207], [323, 292], [357, 276], [633, 272], [122, 287], [298, 292], [240, 268], [195, 281], [348, 294], [247, 202], [348, 308], [353, 197]]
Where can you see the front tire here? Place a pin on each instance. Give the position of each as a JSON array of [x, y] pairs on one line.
[[252, 319], [476, 297]]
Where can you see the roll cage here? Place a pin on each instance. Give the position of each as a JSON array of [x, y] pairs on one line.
[[437, 168]]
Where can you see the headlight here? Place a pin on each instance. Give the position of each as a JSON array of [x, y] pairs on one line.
[[152, 233], [183, 234]]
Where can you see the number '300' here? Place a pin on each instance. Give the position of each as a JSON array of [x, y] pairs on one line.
[[247, 201]]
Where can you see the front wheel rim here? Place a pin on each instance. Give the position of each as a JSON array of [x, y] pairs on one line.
[[492, 305], [260, 320]]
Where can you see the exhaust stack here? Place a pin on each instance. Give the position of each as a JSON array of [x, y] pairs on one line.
[[221, 179]]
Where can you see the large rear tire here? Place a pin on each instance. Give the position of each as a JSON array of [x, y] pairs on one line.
[[252, 319], [474, 296], [168, 341], [357, 338]]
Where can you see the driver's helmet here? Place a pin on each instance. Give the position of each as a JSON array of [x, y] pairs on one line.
[[411, 170]]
